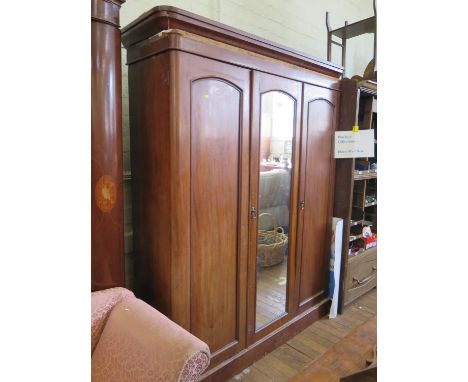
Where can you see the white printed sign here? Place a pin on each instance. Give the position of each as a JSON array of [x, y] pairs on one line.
[[349, 144]]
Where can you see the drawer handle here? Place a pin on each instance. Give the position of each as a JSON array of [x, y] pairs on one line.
[[374, 268], [363, 281]]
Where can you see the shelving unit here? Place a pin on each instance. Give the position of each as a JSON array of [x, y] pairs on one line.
[[356, 194], [360, 175]]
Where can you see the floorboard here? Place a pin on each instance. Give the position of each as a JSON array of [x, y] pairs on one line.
[[271, 293], [290, 359], [348, 357]]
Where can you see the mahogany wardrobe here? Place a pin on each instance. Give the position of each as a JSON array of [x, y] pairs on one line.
[[233, 177]]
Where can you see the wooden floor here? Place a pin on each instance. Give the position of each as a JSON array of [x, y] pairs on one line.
[[271, 293], [290, 358]]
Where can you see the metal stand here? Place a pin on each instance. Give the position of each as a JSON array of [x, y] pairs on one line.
[[361, 27]]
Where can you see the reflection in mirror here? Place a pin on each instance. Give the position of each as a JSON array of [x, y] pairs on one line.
[[276, 135]]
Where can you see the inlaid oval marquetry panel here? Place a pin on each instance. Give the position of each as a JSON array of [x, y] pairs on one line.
[[105, 193]]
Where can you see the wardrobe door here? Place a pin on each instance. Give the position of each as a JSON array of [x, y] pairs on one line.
[[320, 106], [213, 118], [276, 107]]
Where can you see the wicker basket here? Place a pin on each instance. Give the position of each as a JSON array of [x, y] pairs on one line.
[[272, 245]]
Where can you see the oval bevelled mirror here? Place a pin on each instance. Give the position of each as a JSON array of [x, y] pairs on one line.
[[276, 137]]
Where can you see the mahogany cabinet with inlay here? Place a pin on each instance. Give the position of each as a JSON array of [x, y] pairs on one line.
[[107, 240], [233, 176]]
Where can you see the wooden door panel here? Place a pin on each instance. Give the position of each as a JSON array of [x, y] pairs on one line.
[[316, 191], [215, 196], [212, 109]]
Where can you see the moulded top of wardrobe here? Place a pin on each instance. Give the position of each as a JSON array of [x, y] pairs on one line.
[[165, 17]]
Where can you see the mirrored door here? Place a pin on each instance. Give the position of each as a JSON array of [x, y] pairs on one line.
[[273, 200], [274, 204]]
